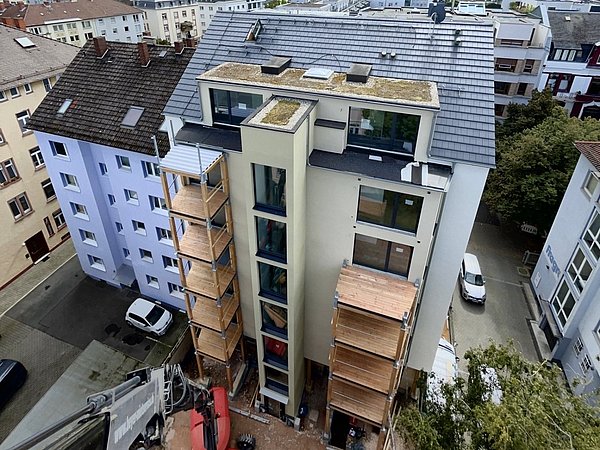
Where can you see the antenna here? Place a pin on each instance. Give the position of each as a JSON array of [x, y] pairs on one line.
[[437, 11]]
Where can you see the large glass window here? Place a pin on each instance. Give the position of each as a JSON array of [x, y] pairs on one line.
[[275, 352], [382, 255], [271, 239], [563, 303], [274, 319], [390, 209], [591, 237], [579, 270], [269, 188], [383, 130], [276, 381], [273, 282], [233, 107]]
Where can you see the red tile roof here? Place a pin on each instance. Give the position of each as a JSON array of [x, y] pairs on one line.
[[591, 150]]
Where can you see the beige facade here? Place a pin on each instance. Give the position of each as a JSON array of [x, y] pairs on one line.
[[165, 22], [31, 219]]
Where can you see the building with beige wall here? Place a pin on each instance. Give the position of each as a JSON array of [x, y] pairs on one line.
[[163, 19], [31, 218]]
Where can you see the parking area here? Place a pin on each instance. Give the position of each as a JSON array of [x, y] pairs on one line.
[[505, 313]]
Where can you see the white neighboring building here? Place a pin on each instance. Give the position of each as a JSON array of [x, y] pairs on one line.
[[78, 21], [208, 9], [163, 19], [566, 279]]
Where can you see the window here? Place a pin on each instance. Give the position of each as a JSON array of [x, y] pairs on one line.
[[37, 158], [58, 149], [564, 54], [276, 381], [505, 65], [273, 282], [382, 255], [558, 82], [96, 263], [126, 253], [88, 36], [59, 219], [74, 38], [123, 163], [57, 28], [563, 303], [183, 13], [131, 197], [101, 21], [175, 290], [152, 281], [48, 189], [591, 236], [139, 227], [511, 42], [87, 24], [111, 199], [275, 352], [158, 204], [103, 168], [170, 264], [115, 30], [164, 235], [501, 88], [528, 68], [113, 20], [14, 92], [522, 89], [23, 118], [389, 209], [579, 270], [383, 130], [8, 172], [48, 225], [119, 227], [269, 188], [176, 15], [2, 96], [274, 319], [79, 211], [20, 206], [47, 84], [586, 364], [271, 237], [2, 140], [233, 107], [126, 29], [146, 255], [88, 237], [591, 183], [164, 16], [69, 181], [28, 89], [136, 18], [103, 32], [499, 110], [151, 169], [578, 346], [124, 18]]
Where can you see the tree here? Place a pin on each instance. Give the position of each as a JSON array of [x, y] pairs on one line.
[[533, 167], [536, 410], [523, 117]]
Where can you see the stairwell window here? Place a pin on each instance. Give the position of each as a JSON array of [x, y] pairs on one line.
[[269, 189], [273, 282], [274, 319], [271, 237], [275, 352], [389, 209], [88, 237]]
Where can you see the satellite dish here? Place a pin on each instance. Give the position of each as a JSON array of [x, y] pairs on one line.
[[437, 11]]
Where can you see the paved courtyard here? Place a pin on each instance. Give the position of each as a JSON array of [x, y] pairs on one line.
[[505, 313]]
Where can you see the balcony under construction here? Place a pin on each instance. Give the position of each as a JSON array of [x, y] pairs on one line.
[[196, 186], [371, 324]]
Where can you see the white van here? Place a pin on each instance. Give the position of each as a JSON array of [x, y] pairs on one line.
[[472, 283]]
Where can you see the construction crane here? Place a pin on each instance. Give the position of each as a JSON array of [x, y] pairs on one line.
[[132, 416]]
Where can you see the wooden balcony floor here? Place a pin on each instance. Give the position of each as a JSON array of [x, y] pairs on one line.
[[194, 242], [358, 402], [210, 343], [188, 202], [206, 312], [364, 369], [200, 280]]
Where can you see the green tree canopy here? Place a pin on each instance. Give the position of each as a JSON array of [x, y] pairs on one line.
[[524, 117], [536, 411]]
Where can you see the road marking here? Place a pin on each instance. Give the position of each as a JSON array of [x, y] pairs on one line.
[[502, 281]]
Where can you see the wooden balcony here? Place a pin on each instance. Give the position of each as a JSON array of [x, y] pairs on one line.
[[358, 402], [211, 344], [206, 313], [200, 280], [194, 242], [363, 368], [188, 203]]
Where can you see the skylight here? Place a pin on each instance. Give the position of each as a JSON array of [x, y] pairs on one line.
[[318, 73], [63, 108], [132, 117], [25, 42]]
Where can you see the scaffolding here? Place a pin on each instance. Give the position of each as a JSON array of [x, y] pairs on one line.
[[201, 225], [371, 322]]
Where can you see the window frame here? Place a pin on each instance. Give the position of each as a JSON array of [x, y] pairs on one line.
[[170, 264], [396, 213], [139, 227], [36, 155], [124, 163], [48, 182], [271, 208], [176, 290], [6, 167], [59, 149], [70, 182], [132, 199], [79, 211], [152, 281], [558, 304], [229, 118], [164, 238], [262, 250], [388, 255], [96, 263], [146, 255], [590, 239], [23, 120], [280, 278], [576, 272], [23, 212], [154, 171]]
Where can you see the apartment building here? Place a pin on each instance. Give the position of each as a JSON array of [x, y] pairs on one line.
[[351, 201], [571, 70], [170, 20], [77, 21], [31, 218], [95, 133], [208, 9], [566, 280]]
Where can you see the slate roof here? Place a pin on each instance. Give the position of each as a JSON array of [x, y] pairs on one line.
[[465, 73], [104, 89], [582, 28], [62, 11], [48, 58], [591, 150]]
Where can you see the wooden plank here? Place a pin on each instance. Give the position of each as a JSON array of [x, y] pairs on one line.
[[206, 312], [210, 343], [359, 402], [377, 337], [194, 242], [200, 280], [362, 368], [188, 202]]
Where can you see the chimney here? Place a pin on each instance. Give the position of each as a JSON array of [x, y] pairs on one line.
[[179, 48], [190, 42], [144, 55], [20, 24], [100, 46]]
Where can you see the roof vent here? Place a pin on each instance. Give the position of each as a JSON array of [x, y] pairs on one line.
[[318, 73], [568, 18], [276, 65], [358, 73], [254, 31]]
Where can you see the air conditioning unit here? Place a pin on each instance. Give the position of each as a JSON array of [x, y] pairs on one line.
[[504, 66]]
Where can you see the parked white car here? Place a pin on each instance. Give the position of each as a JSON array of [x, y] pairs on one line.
[[472, 283], [148, 317]]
